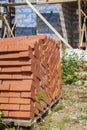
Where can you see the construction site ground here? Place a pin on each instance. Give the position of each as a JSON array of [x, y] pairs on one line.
[[70, 113]]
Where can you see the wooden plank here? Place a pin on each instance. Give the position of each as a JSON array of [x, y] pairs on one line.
[[37, 2], [60, 1], [82, 34], [8, 26], [83, 13]]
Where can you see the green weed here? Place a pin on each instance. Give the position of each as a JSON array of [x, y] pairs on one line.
[[58, 107], [72, 99], [1, 114], [40, 95], [83, 109], [2, 124], [83, 117], [61, 125], [71, 64], [66, 119], [65, 96]]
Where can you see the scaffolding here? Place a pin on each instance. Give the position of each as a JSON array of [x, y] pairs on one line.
[[8, 28]]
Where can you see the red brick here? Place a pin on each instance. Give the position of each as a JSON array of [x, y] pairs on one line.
[[4, 100], [42, 37], [50, 92], [46, 97], [24, 53], [47, 100], [4, 87], [46, 42], [38, 106], [15, 62], [17, 82], [31, 51], [29, 108], [58, 92], [36, 52], [6, 113], [26, 68], [22, 86], [28, 94], [20, 101], [16, 55], [9, 107], [11, 69], [28, 55], [9, 94], [3, 48], [8, 40], [17, 69], [0, 81], [23, 39], [18, 47], [21, 114], [22, 76], [5, 76]]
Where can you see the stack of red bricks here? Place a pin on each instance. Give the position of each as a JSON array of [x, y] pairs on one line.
[[30, 75]]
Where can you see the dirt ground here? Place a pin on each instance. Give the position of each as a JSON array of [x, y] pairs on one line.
[[70, 113]]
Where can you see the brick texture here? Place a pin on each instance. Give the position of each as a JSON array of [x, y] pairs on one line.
[[30, 75]]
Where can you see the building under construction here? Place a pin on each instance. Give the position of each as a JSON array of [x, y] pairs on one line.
[[67, 17], [30, 66]]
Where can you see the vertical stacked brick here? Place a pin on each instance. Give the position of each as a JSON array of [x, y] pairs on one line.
[[30, 75]]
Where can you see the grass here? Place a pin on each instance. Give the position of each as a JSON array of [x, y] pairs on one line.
[[72, 99], [2, 124], [61, 125], [65, 96], [83, 109], [83, 117], [83, 97], [58, 107], [66, 119], [71, 65]]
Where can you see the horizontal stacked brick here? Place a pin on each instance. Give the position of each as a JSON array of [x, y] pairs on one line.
[[30, 75]]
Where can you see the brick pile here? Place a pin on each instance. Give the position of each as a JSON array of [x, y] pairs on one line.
[[30, 75]]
